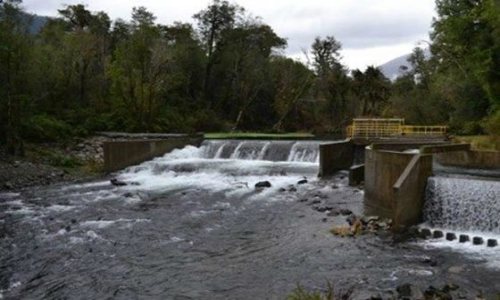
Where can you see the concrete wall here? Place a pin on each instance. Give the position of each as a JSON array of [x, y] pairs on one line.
[[356, 174], [119, 155], [382, 170], [409, 192], [470, 159], [334, 157], [445, 148], [402, 146]]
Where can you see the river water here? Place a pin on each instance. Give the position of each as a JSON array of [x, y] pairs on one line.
[[191, 225]]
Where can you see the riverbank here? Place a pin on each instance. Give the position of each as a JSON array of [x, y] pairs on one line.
[[46, 164]]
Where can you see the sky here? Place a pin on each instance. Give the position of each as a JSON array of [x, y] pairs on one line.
[[372, 32]]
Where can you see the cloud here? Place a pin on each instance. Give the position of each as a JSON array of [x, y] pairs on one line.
[[369, 30]]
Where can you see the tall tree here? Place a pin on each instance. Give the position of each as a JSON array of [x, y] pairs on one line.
[[212, 22], [15, 59]]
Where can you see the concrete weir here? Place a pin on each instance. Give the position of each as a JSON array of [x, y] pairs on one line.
[[122, 154]]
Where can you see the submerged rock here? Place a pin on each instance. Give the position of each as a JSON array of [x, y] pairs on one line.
[[333, 213], [117, 182], [263, 184]]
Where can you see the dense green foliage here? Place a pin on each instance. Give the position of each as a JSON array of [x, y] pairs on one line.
[[460, 84], [83, 72]]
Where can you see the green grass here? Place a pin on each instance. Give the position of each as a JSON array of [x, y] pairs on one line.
[[255, 135], [479, 142]]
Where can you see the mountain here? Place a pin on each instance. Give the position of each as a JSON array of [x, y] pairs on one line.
[[391, 68], [37, 22]]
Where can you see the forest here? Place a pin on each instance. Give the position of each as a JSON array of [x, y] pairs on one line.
[[83, 72]]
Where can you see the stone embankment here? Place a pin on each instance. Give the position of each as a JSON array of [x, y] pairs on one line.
[[15, 174], [91, 149]]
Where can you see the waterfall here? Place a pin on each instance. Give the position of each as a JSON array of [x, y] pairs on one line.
[[463, 204], [292, 151]]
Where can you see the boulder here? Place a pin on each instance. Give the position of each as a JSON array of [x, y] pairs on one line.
[[345, 212], [117, 182], [303, 181], [263, 184], [409, 291]]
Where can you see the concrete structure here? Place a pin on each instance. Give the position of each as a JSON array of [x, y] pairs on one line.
[[335, 156], [409, 192], [119, 155], [470, 159], [461, 155], [445, 148], [382, 170], [395, 185], [356, 174]]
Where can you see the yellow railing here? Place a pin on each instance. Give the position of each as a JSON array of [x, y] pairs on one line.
[[425, 130], [373, 128]]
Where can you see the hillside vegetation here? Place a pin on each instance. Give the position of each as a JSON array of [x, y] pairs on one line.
[[83, 72]]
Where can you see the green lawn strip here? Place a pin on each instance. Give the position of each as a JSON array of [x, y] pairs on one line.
[[254, 135]]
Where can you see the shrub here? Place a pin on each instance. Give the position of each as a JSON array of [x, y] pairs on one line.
[[64, 161], [45, 128]]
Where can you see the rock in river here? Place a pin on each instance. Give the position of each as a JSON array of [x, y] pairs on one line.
[[263, 184], [117, 182]]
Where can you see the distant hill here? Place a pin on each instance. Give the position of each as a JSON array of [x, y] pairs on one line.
[[391, 68], [37, 23]]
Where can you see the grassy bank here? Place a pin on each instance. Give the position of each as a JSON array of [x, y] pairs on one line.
[[256, 136]]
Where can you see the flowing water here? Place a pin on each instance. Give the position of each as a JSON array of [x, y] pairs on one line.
[[465, 203], [191, 225]]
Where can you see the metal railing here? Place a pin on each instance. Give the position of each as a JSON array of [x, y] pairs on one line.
[[373, 128]]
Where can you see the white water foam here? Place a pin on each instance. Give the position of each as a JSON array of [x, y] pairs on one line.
[[106, 223], [186, 169]]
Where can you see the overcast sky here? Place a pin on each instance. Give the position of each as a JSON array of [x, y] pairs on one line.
[[372, 32]]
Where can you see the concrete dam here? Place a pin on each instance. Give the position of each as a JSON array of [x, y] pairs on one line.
[[292, 151]]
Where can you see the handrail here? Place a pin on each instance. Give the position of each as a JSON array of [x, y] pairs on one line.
[[370, 128]]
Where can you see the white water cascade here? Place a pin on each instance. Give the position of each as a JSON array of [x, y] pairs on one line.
[[463, 204], [291, 151]]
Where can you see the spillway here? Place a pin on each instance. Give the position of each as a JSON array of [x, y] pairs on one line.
[[291, 151], [463, 204]]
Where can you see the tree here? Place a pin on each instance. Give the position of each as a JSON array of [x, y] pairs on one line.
[[15, 53], [371, 88], [293, 81], [332, 83], [139, 73], [212, 22]]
